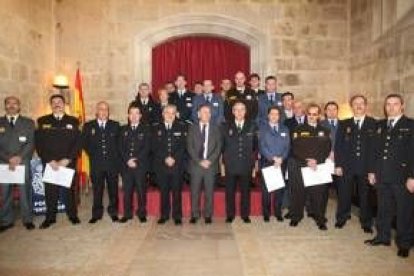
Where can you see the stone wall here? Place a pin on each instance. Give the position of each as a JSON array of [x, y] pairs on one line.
[[27, 51]]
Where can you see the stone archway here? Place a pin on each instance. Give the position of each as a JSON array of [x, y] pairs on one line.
[[203, 24]]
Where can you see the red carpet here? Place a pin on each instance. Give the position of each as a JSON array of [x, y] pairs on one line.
[[153, 202]]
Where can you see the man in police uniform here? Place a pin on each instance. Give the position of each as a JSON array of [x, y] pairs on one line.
[[240, 142], [169, 147], [242, 93], [58, 141], [391, 170], [353, 140], [311, 145], [134, 147], [182, 98], [268, 99], [16, 148], [100, 140]]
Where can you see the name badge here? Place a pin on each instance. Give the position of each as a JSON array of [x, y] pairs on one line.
[[230, 132], [215, 104], [159, 133], [69, 126], [348, 130], [46, 126], [283, 134], [248, 97], [279, 103], [177, 133], [22, 139], [189, 104], [93, 131], [188, 98], [321, 134]]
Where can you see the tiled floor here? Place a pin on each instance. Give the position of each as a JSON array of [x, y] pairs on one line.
[[219, 249]]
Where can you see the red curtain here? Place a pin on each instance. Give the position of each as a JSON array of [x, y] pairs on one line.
[[198, 58]]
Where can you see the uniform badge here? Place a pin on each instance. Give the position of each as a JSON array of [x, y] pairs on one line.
[[69, 126], [379, 131], [279, 103], [232, 98], [2, 129], [305, 134], [295, 135], [22, 139], [248, 97], [348, 130], [215, 104], [188, 98], [46, 126], [321, 134], [93, 131], [177, 133], [283, 134], [149, 108], [189, 104], [159, 132], [230, 132], [126, 133]]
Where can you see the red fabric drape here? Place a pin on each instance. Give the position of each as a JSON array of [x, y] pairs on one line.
[[198, 58]]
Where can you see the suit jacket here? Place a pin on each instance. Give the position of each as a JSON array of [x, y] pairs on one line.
[[194, 143], [217, 108], [184, 104], [102, 146], [263, 106], [17, 140], [273, 144]]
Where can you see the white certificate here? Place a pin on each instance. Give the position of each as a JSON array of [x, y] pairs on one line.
[[12, 177], [62, 177], [322, 175], [273, 178]]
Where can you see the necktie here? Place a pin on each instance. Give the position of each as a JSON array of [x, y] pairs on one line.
[[239, 127], [390, 124], [357, 123], [299, 119], [203, 140], [332, 123], [102, 126], [271, 99], [12, 121], [208, 98], [275, 129], [134, 128]]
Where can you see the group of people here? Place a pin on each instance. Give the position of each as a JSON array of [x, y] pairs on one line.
[[187, 133]]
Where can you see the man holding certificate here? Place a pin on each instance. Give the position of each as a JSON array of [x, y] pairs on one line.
[[274, 143], [311, 145], [57, 144], [16, 150]]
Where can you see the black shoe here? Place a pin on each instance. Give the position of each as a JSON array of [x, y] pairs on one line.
[[266, 219], [246, 220], [74, 220], [368, 230], [93, 220], [229, 219], [208, 220], [322, 227], [340, 224], [193, 220], [377, 242], [279, 218], [4, 228], [142, 219], [29, 226], [294, 223], [162, 221], [178, 221], [46, 224], [124, 219], [288, 215], [403, 252], [114, 218]]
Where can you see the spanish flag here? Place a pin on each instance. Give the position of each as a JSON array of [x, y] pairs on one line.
[[79, 111]]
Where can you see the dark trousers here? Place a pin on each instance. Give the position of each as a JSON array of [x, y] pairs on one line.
[[69, 198], [134, 180], [99, 178], [344, 190], [267, 200], [231, 187], [170, 182], [317, 195], [395, 199]]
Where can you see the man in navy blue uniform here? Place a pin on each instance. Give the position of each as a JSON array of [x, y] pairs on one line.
[[169, 147], [100, 140], [268, 99], [352, 149], [213, 100], [150, 109], [240, 141], [182, 98], [391, 170], [134, 147], [274, 143]]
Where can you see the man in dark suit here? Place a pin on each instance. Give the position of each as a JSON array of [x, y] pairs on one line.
[[311, 145], [391, 170], [150, 109], [241, 93], [213, 100], [169, 147], [134, 147], [58, 141], [16, 148], [100, 140], [267, 100], [240, 143], [254, 81], [352, 149], [182, 98], [204, 144]]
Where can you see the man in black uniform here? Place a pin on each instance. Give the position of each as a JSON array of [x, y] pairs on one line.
[[391, 169], [242, 93], [134, 147], [353, 139], [240, 142], [311, 145], [58, 141], [182, 99], [169, 146], [100, 140], [149, 108]]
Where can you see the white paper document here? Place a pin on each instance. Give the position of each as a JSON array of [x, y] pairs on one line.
[[62, 177], [322, 175], [12, 177], [273, 178]]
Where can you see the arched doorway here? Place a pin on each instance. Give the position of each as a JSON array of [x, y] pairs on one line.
[[199, 57]]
